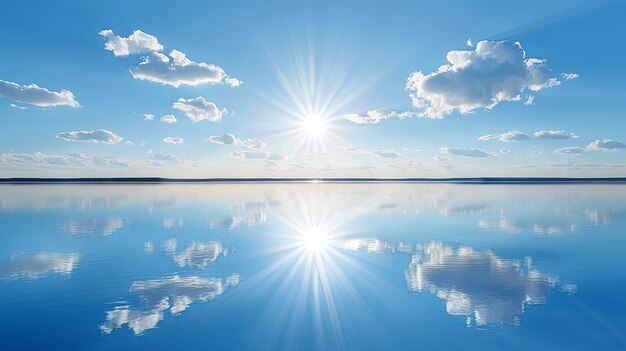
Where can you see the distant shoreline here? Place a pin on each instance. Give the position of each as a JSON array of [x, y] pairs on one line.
[[156, 180]]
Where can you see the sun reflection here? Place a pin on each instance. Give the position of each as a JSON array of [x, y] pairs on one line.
[[311, 276], [315, 240]]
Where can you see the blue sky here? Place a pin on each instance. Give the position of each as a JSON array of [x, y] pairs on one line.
[[312, 89]]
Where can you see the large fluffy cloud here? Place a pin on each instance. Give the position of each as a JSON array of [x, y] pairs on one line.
[[232, 140], [493, 72], [174, 69], [36, 95], [199, 109], [90, 136], [467, 152], [136, 43]]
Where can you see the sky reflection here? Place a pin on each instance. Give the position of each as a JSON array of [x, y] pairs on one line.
[[327, 266]]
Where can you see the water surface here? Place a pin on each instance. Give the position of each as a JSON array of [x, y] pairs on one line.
[[313, 266]]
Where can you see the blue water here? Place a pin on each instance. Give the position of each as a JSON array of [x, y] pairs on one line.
[[313, 266]]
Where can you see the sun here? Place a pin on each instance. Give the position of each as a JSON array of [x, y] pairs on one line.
[[314, 125]]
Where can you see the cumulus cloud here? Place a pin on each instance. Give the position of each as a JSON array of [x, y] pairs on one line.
[[173, 293], [554, 135], [493, 72], [513, 136], [136, 43], [169, 119], [569, 150], [173, 140], [375, 116], [232, 140], [148, 116], [606, 145], [479, 286], [38, 96], [199, 109], [466, 152], [90, 136], [175, 69]]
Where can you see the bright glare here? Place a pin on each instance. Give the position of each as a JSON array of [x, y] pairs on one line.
[[314, 125], [315, 240]]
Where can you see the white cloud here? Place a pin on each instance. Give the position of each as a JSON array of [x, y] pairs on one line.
[[386, 153], [466, 152], [554, 134], [493, 72], [136, 43], [148, 116], [488, 137], [90, 136], [378, 153], [38, 96], [18, 107], [232, 140], [259, 155], [479, 286], [177, 70], [169, 119], [375, 116], [199, 109], [606, 145], [469, 42], [513, 136], [173, 140], [568, 76], [569, 150], [160, 156]]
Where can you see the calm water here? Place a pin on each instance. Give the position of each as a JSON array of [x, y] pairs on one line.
[[313, 266]]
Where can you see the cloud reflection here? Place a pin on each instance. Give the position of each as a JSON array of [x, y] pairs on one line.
[[91, 226], [174, 294], [199, 254], [481, 286], [39, 265]]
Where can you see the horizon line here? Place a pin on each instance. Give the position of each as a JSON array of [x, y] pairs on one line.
[[156, 180]]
